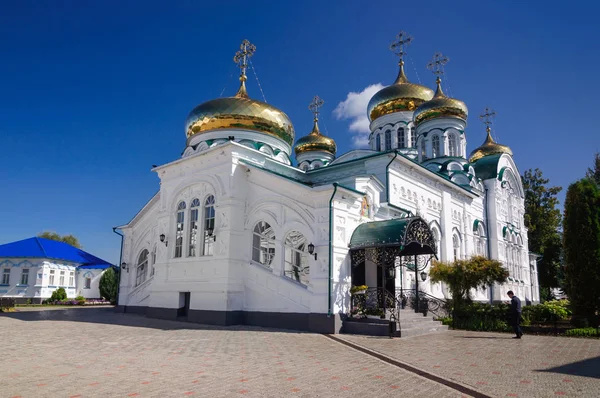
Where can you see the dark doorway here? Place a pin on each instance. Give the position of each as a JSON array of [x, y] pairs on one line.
[[390, 283], [358, 275], [184, 305]]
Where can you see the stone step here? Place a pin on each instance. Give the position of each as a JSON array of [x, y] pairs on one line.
[[412, 332]]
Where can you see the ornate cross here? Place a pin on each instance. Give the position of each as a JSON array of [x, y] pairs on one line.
[[436, 65], [315, 105], [487, 117], [241, 57], [398, 47]]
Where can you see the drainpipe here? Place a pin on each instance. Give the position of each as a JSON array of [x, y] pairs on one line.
[[329, 309], [489, 240], [120, 261]]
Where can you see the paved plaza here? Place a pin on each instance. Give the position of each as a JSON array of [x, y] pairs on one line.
[[95, 352]]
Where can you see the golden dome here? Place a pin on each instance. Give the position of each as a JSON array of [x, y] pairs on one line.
[[315, 141], [400, 96], [440, 106], [239, 112], [489, 147]]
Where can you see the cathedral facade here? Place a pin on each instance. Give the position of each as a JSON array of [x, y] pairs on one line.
[[238, 234]]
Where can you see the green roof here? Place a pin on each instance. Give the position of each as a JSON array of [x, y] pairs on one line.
[[487, 166]]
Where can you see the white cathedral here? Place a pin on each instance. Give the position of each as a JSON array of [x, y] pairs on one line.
[[238, 234]]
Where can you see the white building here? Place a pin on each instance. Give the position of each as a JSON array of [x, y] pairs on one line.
[[239, 235], [31, 269]]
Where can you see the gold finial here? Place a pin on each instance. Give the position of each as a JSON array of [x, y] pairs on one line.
[[241, 58], [436, 66], [487, 118], [398, 47], [315, 107]]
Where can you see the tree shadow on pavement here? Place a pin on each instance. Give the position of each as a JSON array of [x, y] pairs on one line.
[[586, 368]]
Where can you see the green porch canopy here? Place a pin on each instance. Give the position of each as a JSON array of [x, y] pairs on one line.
[[408, 236]]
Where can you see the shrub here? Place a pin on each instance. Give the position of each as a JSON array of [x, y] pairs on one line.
[[583, 332], [58, 295], [547, 312], [109, 283], [80, 300], [481, 317]]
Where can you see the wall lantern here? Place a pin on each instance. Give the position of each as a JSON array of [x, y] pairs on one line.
[[423, 276], [124, 266], [391, 271], [311, 249], [163, 239]]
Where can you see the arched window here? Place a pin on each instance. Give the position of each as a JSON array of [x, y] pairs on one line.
[[378, 142], [209, 225], [435, 143], [179, 229], [388, 140], [263, 244], [456, 247], [436, 238], [479, 240], [142, 268], [401, 140], [296, 259], [413, 137], [423, 150], [452, 150], [193, 236]]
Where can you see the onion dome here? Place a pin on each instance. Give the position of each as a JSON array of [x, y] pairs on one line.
[[240, 112], [315, 141], [399, 97], [489, 147], [440, 106]]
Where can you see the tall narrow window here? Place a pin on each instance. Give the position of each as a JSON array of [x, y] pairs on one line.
[[378, 142], [413, 137], [452, 150], [456, 247], [51, 278], [435, 143], [6, 276], [423, 150], [25, 276], [153, 259], [61, 280], [296, 259], [263, 243], [401, 140], [388, 140], [72, 278], [209, 225], [194, 209], [179, 229], [88, 283], [142, 268]]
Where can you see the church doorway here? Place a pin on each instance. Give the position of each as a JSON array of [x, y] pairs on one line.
[[184, 305], [377, 249]]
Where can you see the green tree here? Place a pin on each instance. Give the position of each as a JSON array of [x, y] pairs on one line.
[[463, 275], [542, 220], [108, 285], [581, 238], [68, 239], [593, 173]]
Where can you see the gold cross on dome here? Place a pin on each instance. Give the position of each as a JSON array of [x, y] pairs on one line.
[[436, 65], [241, 57], [487, 117], [315, 106], [402, 41]]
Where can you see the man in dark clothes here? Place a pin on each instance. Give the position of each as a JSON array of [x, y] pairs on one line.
[[515, 314]]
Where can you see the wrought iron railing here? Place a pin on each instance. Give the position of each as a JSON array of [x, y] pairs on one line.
[[387, 305]]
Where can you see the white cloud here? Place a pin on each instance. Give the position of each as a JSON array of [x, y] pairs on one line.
[[354, 108]]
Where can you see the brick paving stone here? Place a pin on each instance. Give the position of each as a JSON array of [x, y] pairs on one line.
[[95, 352], [497, 365]]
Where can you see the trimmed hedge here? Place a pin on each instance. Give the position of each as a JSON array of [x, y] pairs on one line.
[[583, 332]]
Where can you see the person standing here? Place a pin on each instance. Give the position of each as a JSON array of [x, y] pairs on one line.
[[515, 314]]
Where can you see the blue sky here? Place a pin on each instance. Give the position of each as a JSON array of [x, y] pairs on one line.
[[92, 94]]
